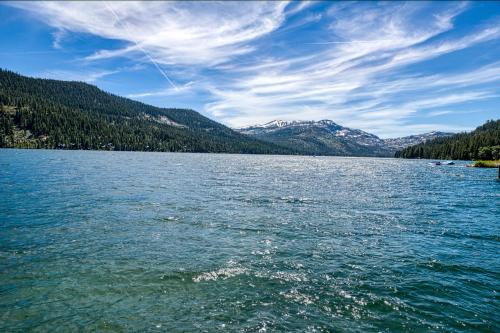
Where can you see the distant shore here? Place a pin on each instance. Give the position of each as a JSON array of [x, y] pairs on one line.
[[486, 164], [197, 152]]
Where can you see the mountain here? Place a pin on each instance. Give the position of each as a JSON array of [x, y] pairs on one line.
[[322, 137], [325, 137], [482, 143], [403, 142], [41, 113]]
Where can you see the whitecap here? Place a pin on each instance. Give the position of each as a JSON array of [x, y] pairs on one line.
[[283, 276], [299, 297], [290, 277], [222, 273], [300, 200]]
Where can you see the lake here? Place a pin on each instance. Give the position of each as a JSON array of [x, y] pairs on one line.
[[172, 242]]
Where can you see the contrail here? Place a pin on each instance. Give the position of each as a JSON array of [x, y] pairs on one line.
[[162, 72]]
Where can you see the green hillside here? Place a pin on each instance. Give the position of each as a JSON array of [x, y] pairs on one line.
[[41, 113], [482, 143]]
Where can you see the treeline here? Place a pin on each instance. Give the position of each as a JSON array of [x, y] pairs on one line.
[[41, 113], [482, 143]]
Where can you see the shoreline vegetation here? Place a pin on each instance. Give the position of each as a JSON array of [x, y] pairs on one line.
[[486, 164]]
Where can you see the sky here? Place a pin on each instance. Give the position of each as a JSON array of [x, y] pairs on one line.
[[389, 68]]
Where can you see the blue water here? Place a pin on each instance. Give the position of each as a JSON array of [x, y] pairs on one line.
[[165, 242]]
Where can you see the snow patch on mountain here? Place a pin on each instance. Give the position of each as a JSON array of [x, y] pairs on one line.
[[345, 134]]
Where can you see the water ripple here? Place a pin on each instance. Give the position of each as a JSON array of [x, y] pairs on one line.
[[109, 241]]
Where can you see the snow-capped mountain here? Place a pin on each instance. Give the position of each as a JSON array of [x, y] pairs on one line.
[[406, 141], [326, 137], [331, 127]]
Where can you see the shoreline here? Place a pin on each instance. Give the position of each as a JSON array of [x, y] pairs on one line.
[[195, 152], [485, 164]]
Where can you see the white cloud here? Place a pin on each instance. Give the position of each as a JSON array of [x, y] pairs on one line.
[[199, 33], [58, 36], [405, 129], [443, 100], [169, 91], [354, 83], [349, 72], [85, 75], [89, 76]]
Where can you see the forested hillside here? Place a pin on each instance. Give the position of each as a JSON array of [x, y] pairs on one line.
[[482, 143], [41, 113]]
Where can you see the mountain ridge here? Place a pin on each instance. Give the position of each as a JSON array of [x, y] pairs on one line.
[[44, 113], [326, 137], [481, 143]]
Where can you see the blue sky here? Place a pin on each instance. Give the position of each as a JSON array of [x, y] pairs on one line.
[[392, 68]]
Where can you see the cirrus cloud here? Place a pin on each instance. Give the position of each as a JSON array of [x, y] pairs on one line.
[[374, 66]]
